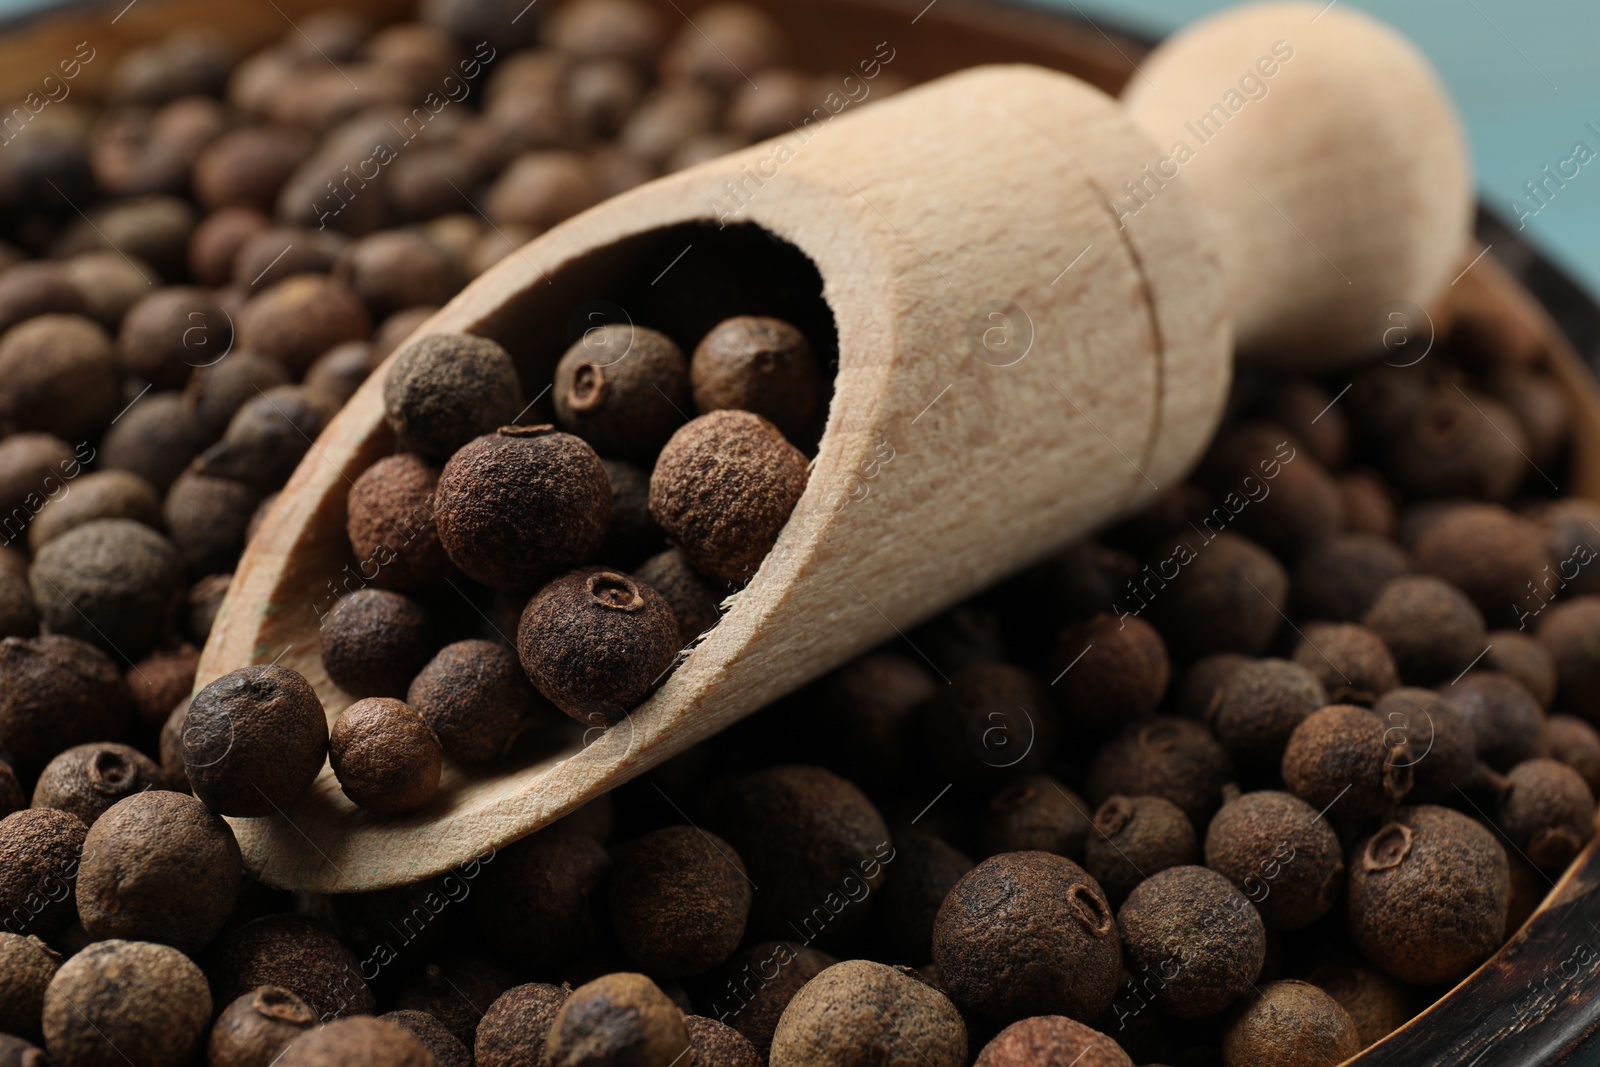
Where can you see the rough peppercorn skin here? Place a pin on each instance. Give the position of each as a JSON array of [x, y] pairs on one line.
[[443, 390], [1195, 918], [622, 388], [254, 740]]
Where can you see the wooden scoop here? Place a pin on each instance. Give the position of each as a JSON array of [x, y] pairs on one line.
[[1017, 365]]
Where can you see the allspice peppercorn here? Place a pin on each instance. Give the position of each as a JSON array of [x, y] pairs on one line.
[[126, 1001], [1109, 672], [1460, 445], [1290, 1022], [1567, 630], [513, 1029], [991, 722], [56, 692], [595, 642], [1507, 722], [58, 376], [157, 438], [633, 535], [391, 524], [723, 488], [538, 900], [297, 954], [108, 494], [87, 779], [620, 1020], [1036, 813], [267, 437], [374, 642], [1345, 760], [521, 504], [357, 1041], [1430, 626], [990, 959], [256, 1027], [1546, 811], [475, 697], [859, 1005], [1570, 740], [716, 1044], [1352, 663], [112, 582], [1378, 1004], [40, 849], [395, 269], [747, 999], [1228, 597], [1177, 759], [1051, 1041], [453, 991], [1135, 837], [385, 757], [170, 332], [1428, 894], [679, 901], [623, 388], [1526, 659], [299, 318], [1281, 853], [1260, 706], [1494, 556], [445, 1048], [207, 518], [254, 741], [443, 390], [761, 365], [1303, 502], [924, 871], [26, 967], [1198, 932]]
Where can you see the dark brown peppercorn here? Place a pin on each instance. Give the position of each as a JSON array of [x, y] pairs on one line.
[[1461, 445], [18, 617], [1369, 503], [993, 720], [1569, 631], [760, 365], [990, 964], [620, 1020], [1377, 1003], [455, 992], [33, 290], [719, 1045], [391, 523], [374, 642], [267, 437], [216, 391], [1036, 813], [595, 642], [1428, 894], [339, 371], [734, 34], [112, 582], [39, 855], [624, 389], [58, 376], [1176, 759], [1431, 627], [156, 439], [358, 1041], [446, 1049], [26, 967], [1133, 838], [1051, 1041], [1281, 853], [695, 601], [750, 993], [1260, 706], [1202, 684], [277, 253], [1507, 722], [1442, 742], [126, 1002], [205, 596], [1546, 811], [33, 469], [110, 494], [1227, 597], [298, 319], [396, 269], [207, 518], [1569, 535], [538, 898], [540, 189], [56, 692], [679, 901], [385, 757], [859, 1005], [723, 488], [159, 867], [443, 390], [169, 333], [923, 872], [1570, 740], [1352, 663], [1339, 578], [12, 798], [87, 779], [1276, 491], [1192, 924], [254, 740], [1290, 1022], [1344, 759], [1495, 557], [475, 697], [296, 954], [217, 239], [513, 1030], [813, 840], [634, 535], [256, 1027], [1109, 672], [521, 504], [1526, 659]]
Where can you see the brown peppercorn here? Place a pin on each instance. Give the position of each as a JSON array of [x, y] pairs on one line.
[[601, 93], [12, 798], [296, 954], [256, 1027], [620, 1020], [1569, 536], [374, 642], [513, 1030], [595, 642], [1260, 706], [1290, 1022], [267, 437], [1377, 1003], [109, 494], [716, 1044], [396, 269], [1051, 1041], [1308, 411], [540, 189], [761, 365], [446, 1049], [1442, 742], [1339, 577], [113, 582], [206, 518], [1228, 597], [1526, 659], [1135, 837], [695, 601], [808, 836], [623, 388], [859, 1005], [1176, 759], [1036, 813], [1569, 631], [455, 991], [991, 960], [1202, 683], [159, 867], [1546, 811], [170, 332], [26, 967], [633, 535], [126, 1001], [610, 29], [519, 504], [385, 757], [56, 692], [992, 721], [217, 239], [39, 855], [1507, 722], [922, 875], [1428, 894], [33, 290], [1109, 672], [357, 1041], [1369, 503], [1460, 444], [254, 740], [391, 523], [205, 597], [298, 319], [1430, 626], [723, 488], [216, 391], [156, 438], [34, 468], [1343, 758], [1271, 487], [736, 39], [538, 898], [1495, 557], [1281, 853], [281, 252], [1573, 742], [87, 779], [339, 371], [752, 990], [475, 697], [1196, 919], [679, 901], [781, 102], [59, 377], [18, 616], [1352, 663]]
